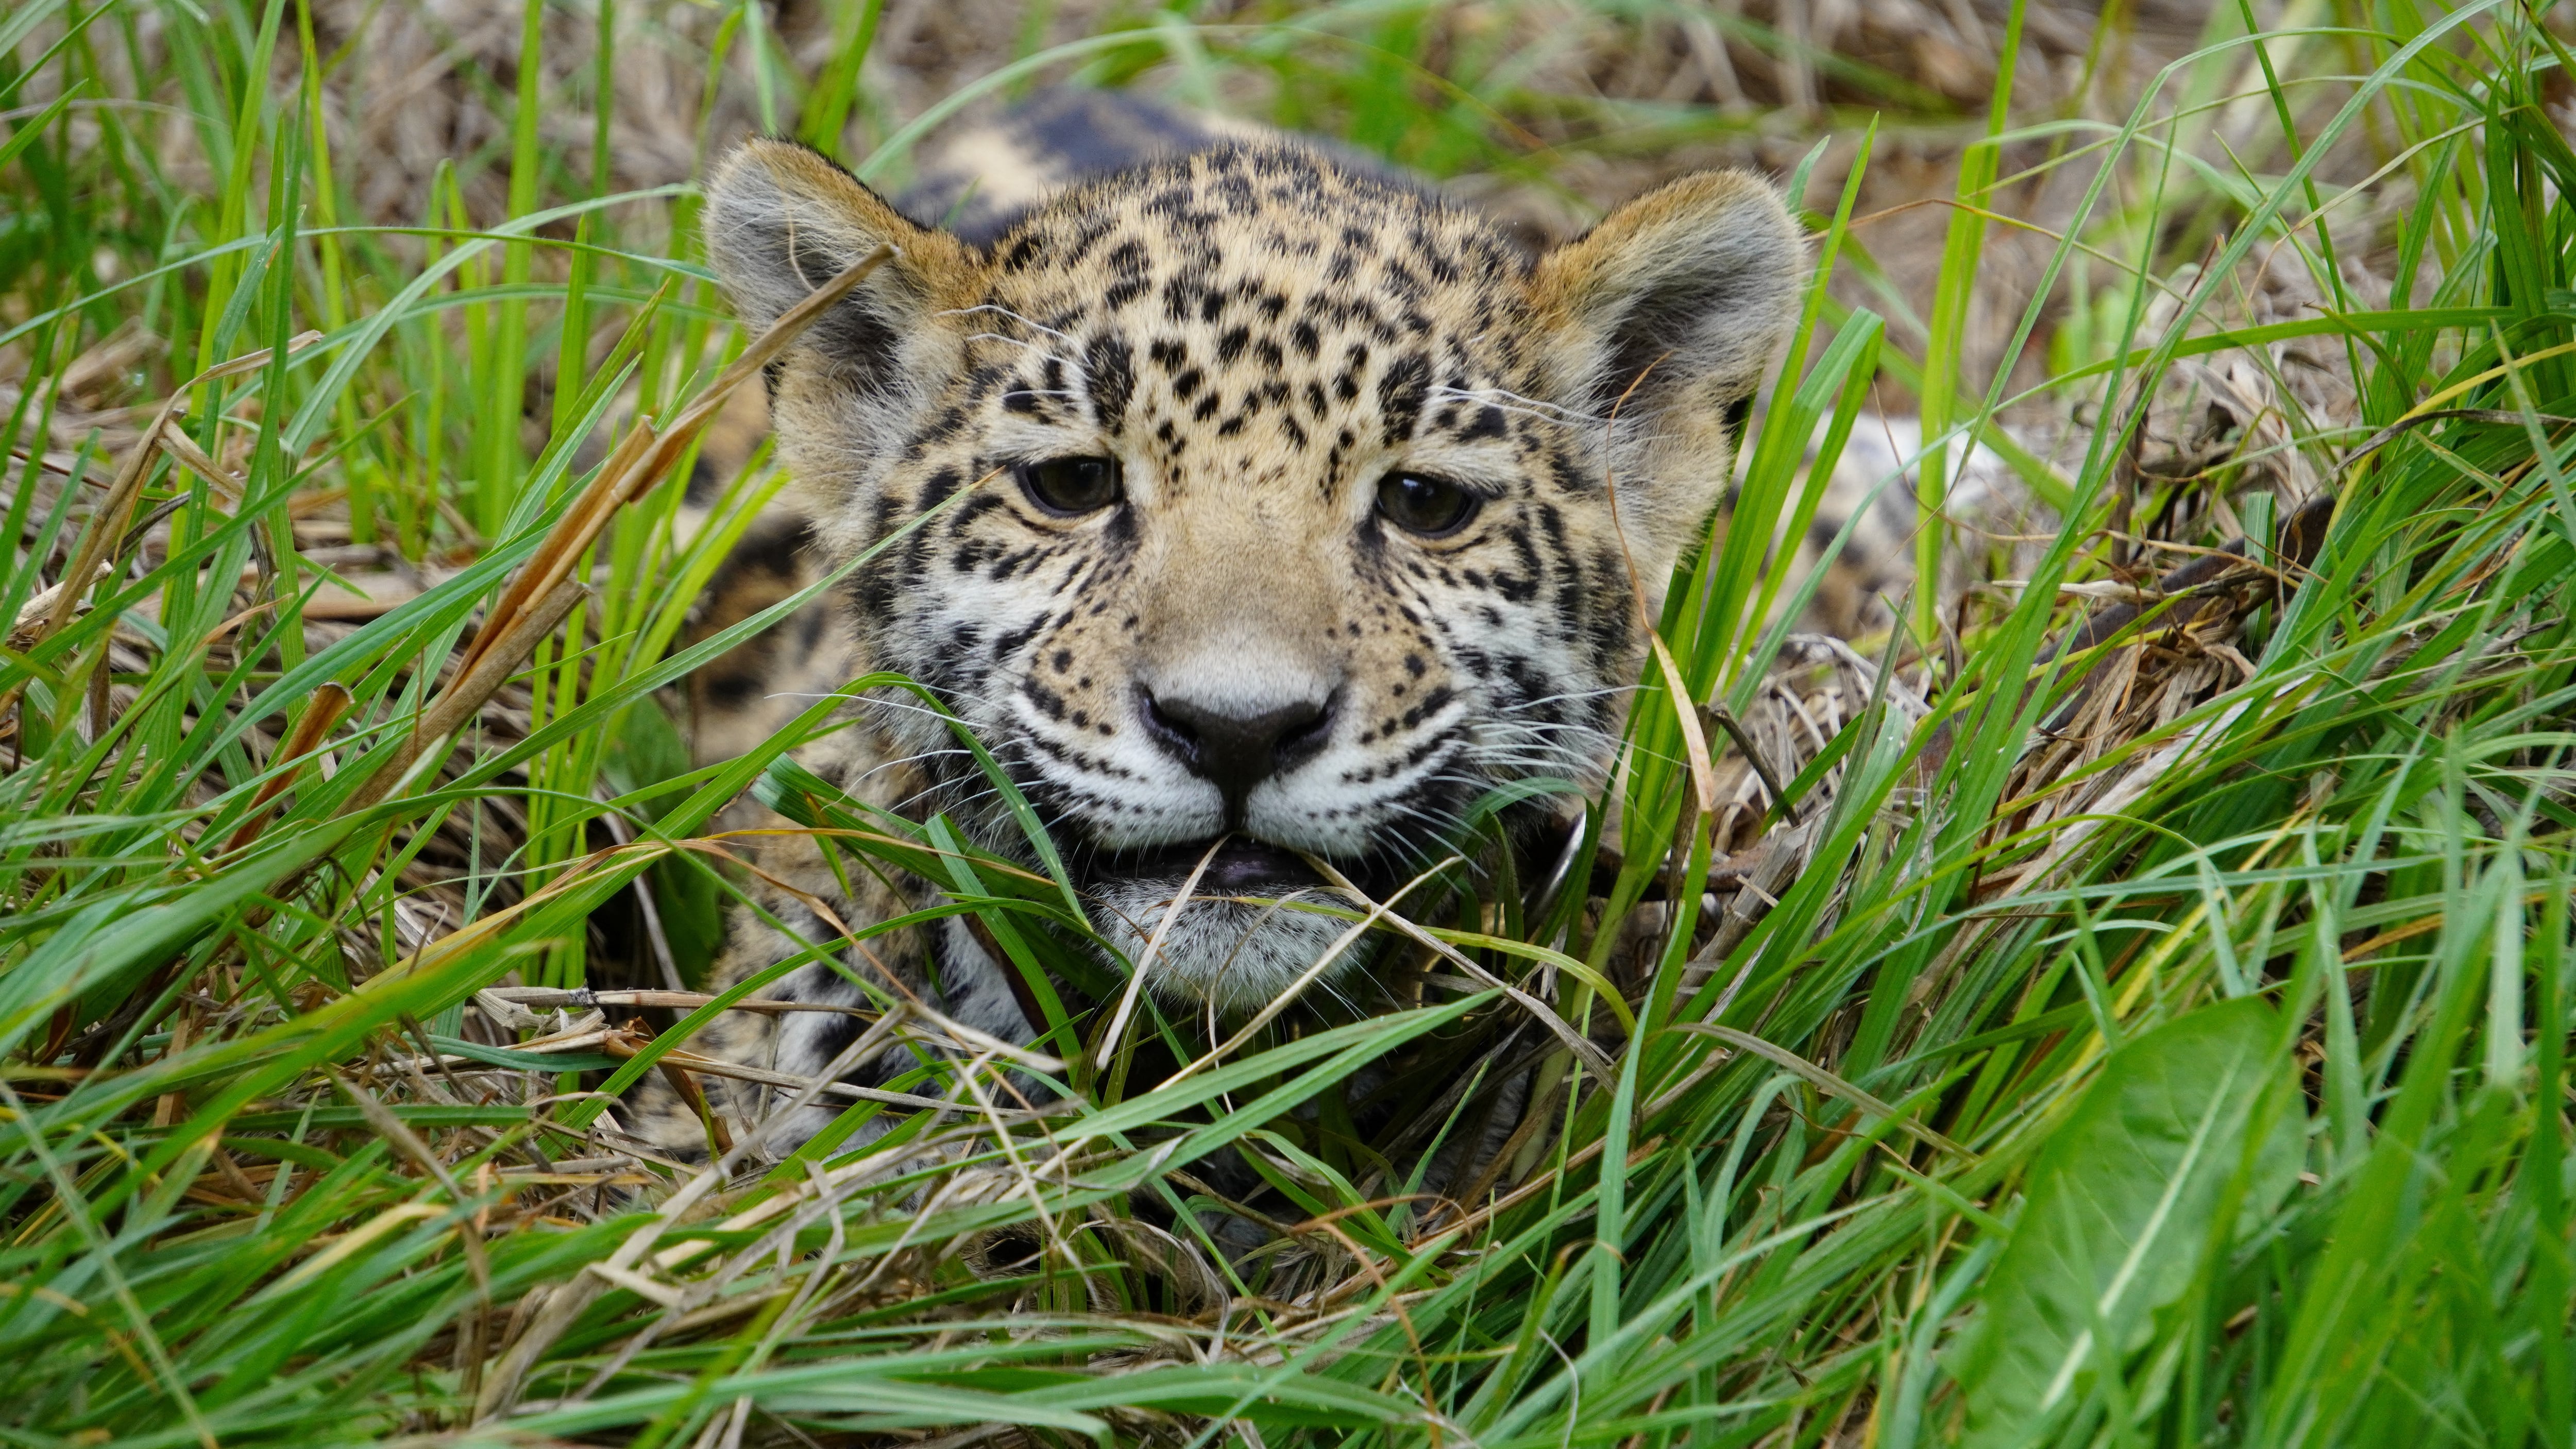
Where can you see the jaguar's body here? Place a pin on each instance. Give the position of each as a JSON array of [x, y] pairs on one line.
[[1261, 511]]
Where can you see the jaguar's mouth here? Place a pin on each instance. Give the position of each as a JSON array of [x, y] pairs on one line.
[[1239, 866], [1242, 938]]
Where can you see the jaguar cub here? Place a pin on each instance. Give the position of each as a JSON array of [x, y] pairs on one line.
[[1265, 511]]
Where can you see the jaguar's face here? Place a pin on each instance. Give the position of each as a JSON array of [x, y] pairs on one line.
[[1259, 514]]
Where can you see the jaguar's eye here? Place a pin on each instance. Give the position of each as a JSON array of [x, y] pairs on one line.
[[1426, 507], [1069, 487]]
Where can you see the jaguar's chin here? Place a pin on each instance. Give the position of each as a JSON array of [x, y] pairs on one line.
[[1247, 933]]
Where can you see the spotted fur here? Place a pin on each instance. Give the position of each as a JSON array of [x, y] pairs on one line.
[[1259, 336]]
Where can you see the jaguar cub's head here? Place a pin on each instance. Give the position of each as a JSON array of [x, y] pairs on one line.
[[1274, 505]]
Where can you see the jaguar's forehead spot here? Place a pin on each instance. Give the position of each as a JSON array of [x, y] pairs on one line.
[[1242, 381]]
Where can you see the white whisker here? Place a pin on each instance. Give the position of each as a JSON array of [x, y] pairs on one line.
[[1001, 311]]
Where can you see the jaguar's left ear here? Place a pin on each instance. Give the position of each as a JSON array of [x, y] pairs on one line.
[[1672, 308]]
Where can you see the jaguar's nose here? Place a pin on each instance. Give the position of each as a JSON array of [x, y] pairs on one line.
[[1235, 750]]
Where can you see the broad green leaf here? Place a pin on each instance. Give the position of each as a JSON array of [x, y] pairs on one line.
[[2119, 1211]]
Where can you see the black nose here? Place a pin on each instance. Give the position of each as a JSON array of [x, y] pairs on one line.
[[1235, 751]]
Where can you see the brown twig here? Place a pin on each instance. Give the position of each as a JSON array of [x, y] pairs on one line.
[[719, 1137], [466, 694], [329, 703]]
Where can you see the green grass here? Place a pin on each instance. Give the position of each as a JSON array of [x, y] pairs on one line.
[[2202, 1083]]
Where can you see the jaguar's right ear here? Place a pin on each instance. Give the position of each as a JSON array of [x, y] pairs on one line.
[[782, 220]]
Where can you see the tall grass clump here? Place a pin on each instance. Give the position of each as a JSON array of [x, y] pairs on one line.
[[2121, 1000]]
